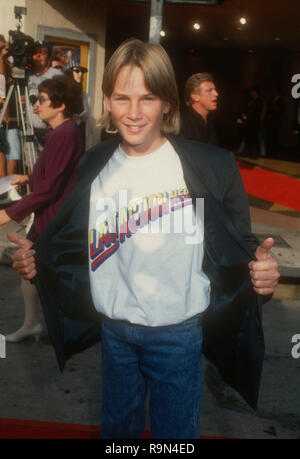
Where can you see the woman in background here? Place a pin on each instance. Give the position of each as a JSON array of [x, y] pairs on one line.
[[74, 70], [51, 181]]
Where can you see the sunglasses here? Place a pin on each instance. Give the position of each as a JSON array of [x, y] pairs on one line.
[[42, 99], [77, 70]]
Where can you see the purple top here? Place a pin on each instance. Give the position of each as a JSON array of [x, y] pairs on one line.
[[53, 177]]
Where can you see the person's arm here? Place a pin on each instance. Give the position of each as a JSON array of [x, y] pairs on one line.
[[2, 75], [17, 180], [2, 87], [237, 205], [20, 179], [59, 163], [3, 52], [4, 218], [84, 115]]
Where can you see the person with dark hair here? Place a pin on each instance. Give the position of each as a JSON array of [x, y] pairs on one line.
[[250, 122], [51, 181], [201, 99], [57, 60], [74, 70], [123, 268], [272, 122], [41, 71]]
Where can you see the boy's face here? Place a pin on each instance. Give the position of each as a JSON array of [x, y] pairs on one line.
[[136, 113]]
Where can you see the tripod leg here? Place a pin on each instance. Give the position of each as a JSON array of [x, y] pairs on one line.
[[6, 103]]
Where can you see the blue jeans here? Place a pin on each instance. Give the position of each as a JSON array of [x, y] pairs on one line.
[[167, 360], [13, 140]]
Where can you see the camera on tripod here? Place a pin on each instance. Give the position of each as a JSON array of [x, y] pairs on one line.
[[20, 46]]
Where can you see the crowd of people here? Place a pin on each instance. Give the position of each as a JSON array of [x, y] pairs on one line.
[[40, 66], [57, 116], [10, 150], [259, 123], [156, 301]]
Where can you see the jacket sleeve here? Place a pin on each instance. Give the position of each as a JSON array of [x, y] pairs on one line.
[[237, 204]]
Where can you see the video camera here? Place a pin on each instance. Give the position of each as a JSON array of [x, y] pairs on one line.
[[20, 45]]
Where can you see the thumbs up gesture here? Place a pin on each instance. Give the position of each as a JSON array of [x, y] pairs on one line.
[[264, 272], [23, 260]]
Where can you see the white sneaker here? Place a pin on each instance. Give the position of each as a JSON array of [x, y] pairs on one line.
[[13, 195]]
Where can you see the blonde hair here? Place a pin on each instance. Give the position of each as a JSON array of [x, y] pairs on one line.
[[159, 75], [192, 85]]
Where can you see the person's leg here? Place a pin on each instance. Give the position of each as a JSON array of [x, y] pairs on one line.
[[13, 156], [31, 326], [123, 386], [12, 167], [170, 358], [31, 300], [2, 165]]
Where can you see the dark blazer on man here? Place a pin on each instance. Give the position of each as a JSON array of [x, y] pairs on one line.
[[194, 127], [232, 327]]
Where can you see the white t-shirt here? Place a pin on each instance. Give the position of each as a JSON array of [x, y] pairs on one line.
[[145, 266]]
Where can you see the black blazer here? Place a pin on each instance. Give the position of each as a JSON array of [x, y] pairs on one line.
[[232, 326]]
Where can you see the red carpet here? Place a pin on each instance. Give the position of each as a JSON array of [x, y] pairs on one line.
[[271, 186], [20, 429]]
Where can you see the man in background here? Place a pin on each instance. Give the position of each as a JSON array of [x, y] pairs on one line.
[[273, 122], [201, 99], [41, 71]]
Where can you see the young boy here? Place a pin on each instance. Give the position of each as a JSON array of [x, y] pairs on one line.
[[116, 258]]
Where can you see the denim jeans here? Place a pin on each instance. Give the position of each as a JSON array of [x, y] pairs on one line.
[[13, 140], [167, 361]]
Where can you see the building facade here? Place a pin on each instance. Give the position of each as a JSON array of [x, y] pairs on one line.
[[74, 26]]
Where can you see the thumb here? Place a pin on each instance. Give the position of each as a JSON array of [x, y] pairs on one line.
[[20, 241], [262, 251]]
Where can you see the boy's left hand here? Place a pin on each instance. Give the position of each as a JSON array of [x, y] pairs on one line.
[[264, 272]]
